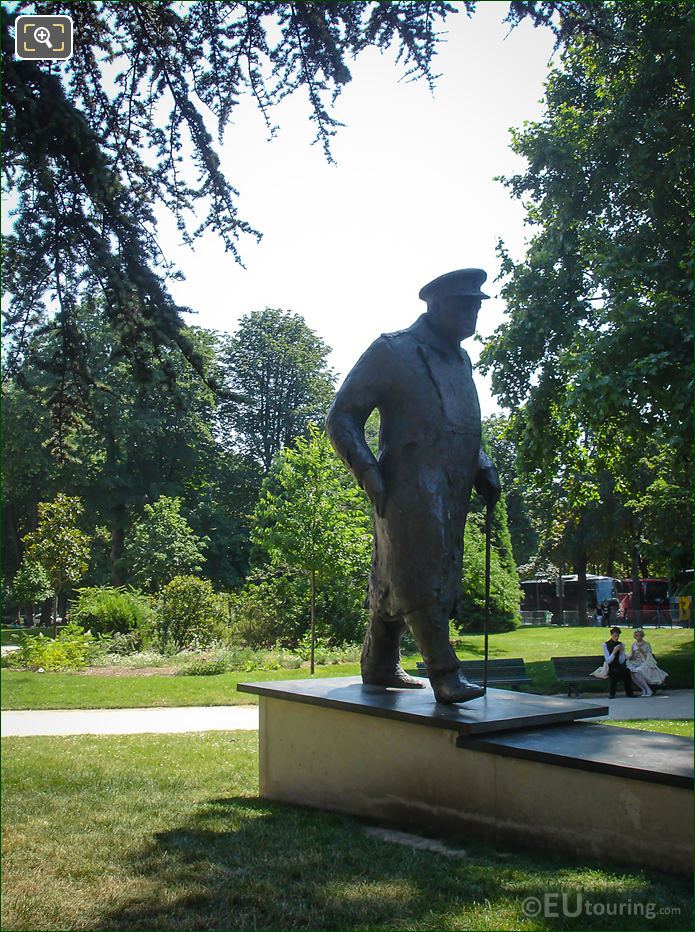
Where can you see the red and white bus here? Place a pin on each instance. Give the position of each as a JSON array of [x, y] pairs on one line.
[[654, 599]]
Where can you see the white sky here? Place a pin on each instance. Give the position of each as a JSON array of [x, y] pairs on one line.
[[412, 196], [349, 245]]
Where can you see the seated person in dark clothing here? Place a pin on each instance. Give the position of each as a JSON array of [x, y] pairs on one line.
[[614, 655]]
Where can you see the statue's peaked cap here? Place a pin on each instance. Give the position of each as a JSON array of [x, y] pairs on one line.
[[461, 282]]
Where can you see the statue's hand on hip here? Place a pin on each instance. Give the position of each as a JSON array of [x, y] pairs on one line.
[[373, 485]]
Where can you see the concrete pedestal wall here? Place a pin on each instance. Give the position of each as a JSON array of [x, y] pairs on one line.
[[417, 777]]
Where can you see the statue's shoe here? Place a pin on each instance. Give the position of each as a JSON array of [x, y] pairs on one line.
[[398, 679], [453, 687]]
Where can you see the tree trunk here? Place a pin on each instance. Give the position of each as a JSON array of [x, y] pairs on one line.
[[313, 621], [117, 537], [561, 597], [636, 588], [610, 561], [11, 534], [580, 570]]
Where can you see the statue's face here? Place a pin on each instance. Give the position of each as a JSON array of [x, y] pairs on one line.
[[455, 316]]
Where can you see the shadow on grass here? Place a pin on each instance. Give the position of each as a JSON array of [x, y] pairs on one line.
[[243, 863], [678, 663]]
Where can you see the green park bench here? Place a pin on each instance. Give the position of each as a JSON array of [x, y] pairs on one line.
[[575, 670], [509, 671]]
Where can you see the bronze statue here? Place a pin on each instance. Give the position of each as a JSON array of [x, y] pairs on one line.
[[420, 484]]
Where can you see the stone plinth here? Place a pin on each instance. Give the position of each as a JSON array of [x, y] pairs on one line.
[[587, 789]]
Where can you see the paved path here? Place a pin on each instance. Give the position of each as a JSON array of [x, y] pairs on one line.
[[129, 721], [675, 704]]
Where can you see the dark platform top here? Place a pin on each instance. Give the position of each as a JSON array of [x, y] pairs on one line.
[[626, 752], [499, 710]]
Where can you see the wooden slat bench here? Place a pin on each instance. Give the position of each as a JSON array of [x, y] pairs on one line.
[[508, 671], [575, 670]]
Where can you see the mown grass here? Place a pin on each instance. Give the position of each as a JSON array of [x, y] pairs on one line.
[[167, 832], [24, 690], [669, 726], [673, 648]]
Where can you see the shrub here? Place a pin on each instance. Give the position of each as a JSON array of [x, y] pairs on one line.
[[69, 650], [12, 659], [204, 667], [123, 645], [505, 594], [114, 611], [257, 615], [190, 614], [274, 609]]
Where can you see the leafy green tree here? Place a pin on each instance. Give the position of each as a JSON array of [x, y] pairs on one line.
[[505, 594], [595, 357], [162, 545], [658, 504], [271, 608], [29, 472], [279, 363], [58, 545], [139, 442], [190, 614], [29, 586], [92, 146], [519, 501], [314, 522]]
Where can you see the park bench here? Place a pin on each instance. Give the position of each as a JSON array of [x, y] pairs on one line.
[[575, 670], [509, 671]]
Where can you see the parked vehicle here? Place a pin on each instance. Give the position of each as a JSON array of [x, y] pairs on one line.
[[681, 599], [544, 595], [654, 598]]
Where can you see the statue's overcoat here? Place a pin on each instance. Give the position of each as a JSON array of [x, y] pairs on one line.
[[429, 455]]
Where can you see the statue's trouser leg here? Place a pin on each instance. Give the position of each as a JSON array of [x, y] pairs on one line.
[[381, 655], [430, 627]]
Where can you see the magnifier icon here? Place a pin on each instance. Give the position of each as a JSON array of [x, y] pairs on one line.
[[43, 35]]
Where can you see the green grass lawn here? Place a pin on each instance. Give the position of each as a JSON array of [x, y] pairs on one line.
[[669, 726], [168, 832], [673, 648], [24, 690]]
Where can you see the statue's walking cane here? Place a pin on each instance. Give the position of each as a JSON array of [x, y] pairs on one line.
[[488, 536]]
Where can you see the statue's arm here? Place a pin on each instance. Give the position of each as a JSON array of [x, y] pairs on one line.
[[362, 392], [487, 482]]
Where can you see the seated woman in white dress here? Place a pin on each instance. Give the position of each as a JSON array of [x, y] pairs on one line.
[[642, 664]]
